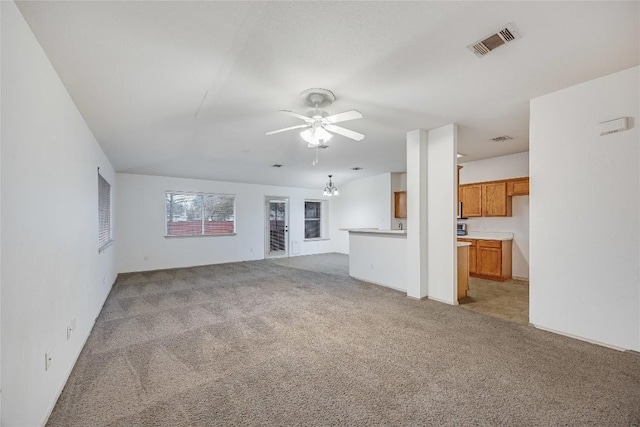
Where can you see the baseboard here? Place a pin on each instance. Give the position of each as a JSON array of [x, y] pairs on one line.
[[579, 338], [442, 301], [75, 359], [522, 279], [379, 284]]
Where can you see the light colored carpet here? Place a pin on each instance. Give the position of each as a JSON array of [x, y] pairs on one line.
[[256, 343], [331, 263]]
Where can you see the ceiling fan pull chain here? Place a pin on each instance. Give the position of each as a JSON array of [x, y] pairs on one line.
[[315, 162]]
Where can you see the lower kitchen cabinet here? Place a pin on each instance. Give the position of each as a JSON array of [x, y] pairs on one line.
[[490, 259], [473, 251]]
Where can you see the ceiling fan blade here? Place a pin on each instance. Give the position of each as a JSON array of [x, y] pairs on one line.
[[286, 129], [345, 132], [343, 117], [299, 116]]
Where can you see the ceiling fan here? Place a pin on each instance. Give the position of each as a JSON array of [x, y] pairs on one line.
[[319, 125]]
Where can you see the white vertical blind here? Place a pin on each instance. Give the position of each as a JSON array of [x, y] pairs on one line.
[[104, 212]]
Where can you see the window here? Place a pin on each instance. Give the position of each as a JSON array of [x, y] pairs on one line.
[[104, 213], [195, 214], [314, 224]]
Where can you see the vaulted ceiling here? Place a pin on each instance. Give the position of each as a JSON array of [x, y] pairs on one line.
[[188, 89]]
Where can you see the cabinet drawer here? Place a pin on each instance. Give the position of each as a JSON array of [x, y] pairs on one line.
[[490, 243]]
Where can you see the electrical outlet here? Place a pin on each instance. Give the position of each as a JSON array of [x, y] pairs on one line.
[[69, 330], [48, 358]]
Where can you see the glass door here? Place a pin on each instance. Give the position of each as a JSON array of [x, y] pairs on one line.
[[277, 228]]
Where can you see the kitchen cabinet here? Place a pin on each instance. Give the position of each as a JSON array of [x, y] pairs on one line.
[[473, 250], [491, 198], [494, 200], [518, 187], [471, 198], [463, 271], [400, 204], [490, 259], [458, 213]]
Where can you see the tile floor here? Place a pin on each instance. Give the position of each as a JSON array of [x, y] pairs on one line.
[[507, 300]]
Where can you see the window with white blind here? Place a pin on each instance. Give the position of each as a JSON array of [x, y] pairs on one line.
[[315, 219], [197, 214], [104, 213]]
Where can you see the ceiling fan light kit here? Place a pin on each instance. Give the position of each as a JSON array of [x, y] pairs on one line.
[[320, 126]]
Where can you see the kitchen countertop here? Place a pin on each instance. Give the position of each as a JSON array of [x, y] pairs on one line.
[[375, 231], [463, 244], [486, 235]]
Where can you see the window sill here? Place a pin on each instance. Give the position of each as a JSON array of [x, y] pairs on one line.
[[105, 246], [198, 235], [317, 239]]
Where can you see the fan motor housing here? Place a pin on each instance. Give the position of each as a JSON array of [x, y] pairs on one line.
[[317, 97]]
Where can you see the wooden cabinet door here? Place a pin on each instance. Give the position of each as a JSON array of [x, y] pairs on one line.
[[400, 204], [471, 198], [473, 259], [494, 199], [518, 187], [473, 263], [489, 258]]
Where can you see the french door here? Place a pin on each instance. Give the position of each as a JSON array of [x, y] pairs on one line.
[[277, 227]]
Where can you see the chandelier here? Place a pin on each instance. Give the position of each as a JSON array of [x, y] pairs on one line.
[[330, 189]]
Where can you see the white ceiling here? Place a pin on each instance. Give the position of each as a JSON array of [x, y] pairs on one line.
[[140, 71]]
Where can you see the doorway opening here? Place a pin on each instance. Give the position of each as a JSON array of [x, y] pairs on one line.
[[276, 227]]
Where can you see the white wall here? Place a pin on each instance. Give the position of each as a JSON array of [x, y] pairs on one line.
[[585, 212], [363, 203], [504, 167], [379, 259], [141, 226], [51, 270]]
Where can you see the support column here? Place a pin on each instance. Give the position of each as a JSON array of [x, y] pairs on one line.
[[431, 214], [442, 190], [417, 213]]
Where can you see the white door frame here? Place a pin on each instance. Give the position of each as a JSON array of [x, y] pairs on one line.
[[267, 227]]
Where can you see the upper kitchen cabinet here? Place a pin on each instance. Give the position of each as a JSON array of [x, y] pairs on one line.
[[400, 204], [494, 200], [491, 198], [518, 187], [471, 198]]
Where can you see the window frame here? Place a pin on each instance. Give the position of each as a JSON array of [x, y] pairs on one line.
[[104, 245], [202, 217], [323, 220]]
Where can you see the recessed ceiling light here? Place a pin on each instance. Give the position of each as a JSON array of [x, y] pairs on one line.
[[357, 168], [501, 138], [276, 166]]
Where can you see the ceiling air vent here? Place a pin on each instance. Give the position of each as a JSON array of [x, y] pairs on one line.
[[494, 41], [502, 138]]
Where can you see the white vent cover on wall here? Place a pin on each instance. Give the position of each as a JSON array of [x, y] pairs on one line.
[[494, 41], [613, 126]]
